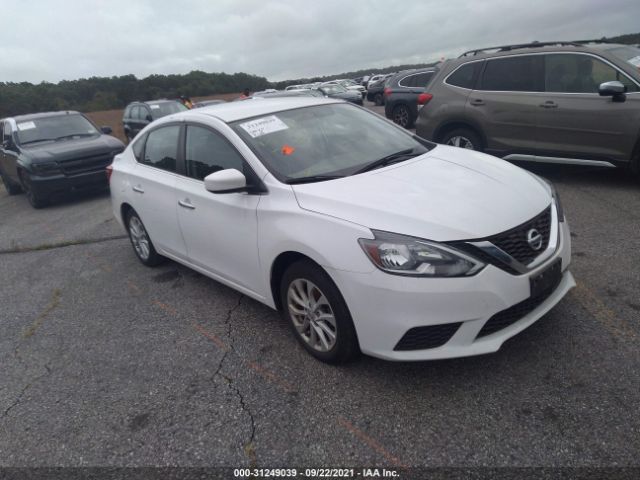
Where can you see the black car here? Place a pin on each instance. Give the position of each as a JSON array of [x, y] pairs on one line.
[[138, 115], [375, 90], [401, 95], [338, 91], [44, 154]]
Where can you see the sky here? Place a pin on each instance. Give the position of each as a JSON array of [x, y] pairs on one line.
[[279, 39]]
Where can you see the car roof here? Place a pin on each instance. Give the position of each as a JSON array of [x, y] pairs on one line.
[[547, 47], [35, 116], [232, 111]]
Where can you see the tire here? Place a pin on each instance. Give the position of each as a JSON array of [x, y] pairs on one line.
[[463, 138], [12, 188], [141, 242], [402, 116], [34, 199], [378, 99], [314, 334]]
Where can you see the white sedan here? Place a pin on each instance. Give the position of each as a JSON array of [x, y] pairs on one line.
[[366, 237]]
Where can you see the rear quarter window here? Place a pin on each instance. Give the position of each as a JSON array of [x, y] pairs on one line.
[[465, 75]]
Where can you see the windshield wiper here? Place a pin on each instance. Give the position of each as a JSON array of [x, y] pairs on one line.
[[38, 140], [388, 160], [312, 178]]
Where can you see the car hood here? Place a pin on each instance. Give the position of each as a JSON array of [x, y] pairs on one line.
[[444, 195], [72, 148]]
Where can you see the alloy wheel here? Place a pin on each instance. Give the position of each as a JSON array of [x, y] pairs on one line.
[[401, 116], [139, 237], [461, 142], [312, 315]]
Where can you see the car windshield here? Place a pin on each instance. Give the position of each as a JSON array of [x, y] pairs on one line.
[[57, 127], [348, 83], [332, 89], [629, 54], [323, 141], [163, 109]]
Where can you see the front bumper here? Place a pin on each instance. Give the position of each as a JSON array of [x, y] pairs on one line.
[[384, 307], [47, 186]]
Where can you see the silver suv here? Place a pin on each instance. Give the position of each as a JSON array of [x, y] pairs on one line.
[[545, 102]]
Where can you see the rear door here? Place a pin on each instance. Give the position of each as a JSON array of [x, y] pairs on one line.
[[153, 183], [575, 121], [506, 103], [220, 230], [8, 152]]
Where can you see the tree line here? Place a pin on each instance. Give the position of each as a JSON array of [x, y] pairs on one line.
[[107, 93]]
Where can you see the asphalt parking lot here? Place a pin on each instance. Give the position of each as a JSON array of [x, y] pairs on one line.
[[107, 362]]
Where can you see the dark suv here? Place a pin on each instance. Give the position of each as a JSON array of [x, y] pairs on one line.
[[401, 93], [44, 154], [138, 115], [554, 102]]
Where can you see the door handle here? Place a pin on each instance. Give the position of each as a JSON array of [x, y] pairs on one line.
[[549, 104], [477, 102], [186, 203], [137, 188]]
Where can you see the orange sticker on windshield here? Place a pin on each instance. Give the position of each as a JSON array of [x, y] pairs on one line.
[[287, 150]]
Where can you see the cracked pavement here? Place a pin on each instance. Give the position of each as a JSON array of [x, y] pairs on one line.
[[105, 362]]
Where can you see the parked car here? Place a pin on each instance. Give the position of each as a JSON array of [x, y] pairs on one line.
[[401, 95], [138, 115], [543, 102], [374, 79], [289, 93], [349, 85], [44, 154], [335, 90], [317, 208], [375, 90], [206, 103]]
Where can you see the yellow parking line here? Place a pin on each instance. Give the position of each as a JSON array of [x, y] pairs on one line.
[[601, 312]]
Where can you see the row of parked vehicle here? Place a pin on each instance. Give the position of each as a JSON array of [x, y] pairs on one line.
[[558, 102]]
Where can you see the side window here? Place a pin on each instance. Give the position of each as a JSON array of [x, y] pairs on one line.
[[407, 81], [143, 112], [422, 79], [134, 112], [207, 152], [138, 147], [514, 74], [161, 148], [2, 132], [570, 73], [6, 131], [465, 76]]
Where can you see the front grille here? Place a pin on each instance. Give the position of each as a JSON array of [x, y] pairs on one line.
[[514, 241], [94, 163], [432, 336], [512, 314]]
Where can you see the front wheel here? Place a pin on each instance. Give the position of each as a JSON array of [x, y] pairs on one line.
[[12, 188], [34, 198], [463, 138], [317, 313], [142, 244]]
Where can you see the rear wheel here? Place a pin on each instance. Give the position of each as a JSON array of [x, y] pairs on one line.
[[463, 138], [142, 244], [402, 116], [34, 198], [317, 313], [377, 99]]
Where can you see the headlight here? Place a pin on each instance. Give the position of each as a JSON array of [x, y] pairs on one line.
[[402, 255], [46, 168]]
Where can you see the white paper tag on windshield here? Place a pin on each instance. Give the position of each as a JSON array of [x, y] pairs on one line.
[[154, 107], [26, 126], [264, 126]]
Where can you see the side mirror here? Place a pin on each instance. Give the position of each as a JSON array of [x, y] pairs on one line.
[[613, 89], [106, 130], [149, 118], [226, 181]]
